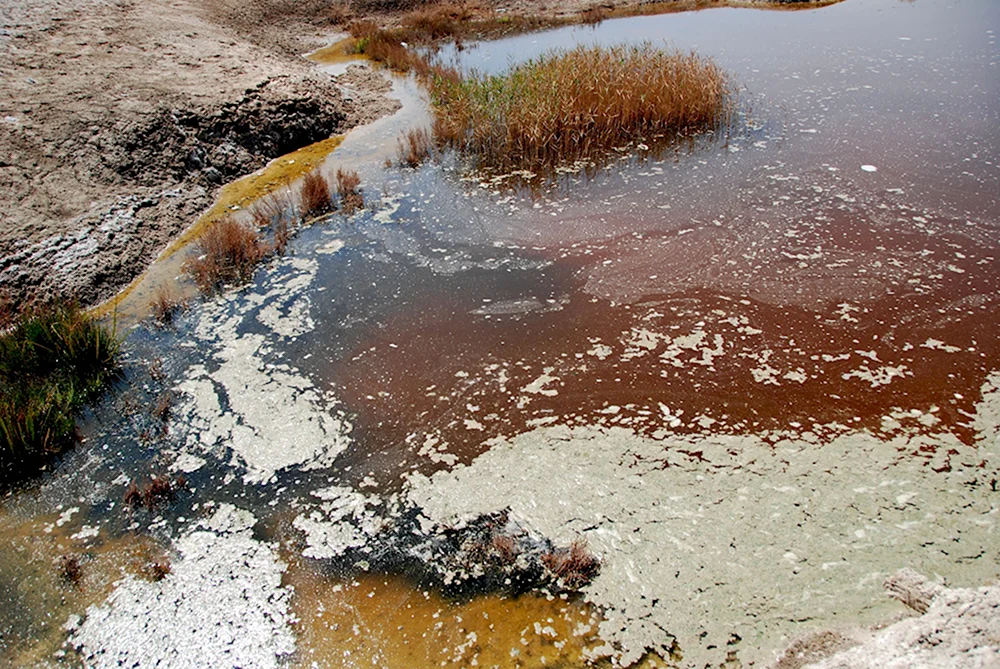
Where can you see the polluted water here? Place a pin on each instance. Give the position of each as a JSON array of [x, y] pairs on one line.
[[679, 407]]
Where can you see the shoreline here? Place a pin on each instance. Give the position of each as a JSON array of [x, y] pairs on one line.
[[121, 123]]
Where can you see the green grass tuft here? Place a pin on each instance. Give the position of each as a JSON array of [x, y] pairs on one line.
[[53, 359]]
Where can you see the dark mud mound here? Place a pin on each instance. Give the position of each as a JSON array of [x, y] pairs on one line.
[[276, 117]]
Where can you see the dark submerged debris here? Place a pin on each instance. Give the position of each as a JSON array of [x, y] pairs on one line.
[[69, 569]]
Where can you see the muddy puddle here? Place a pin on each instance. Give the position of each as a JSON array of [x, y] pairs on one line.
[[756, 375]]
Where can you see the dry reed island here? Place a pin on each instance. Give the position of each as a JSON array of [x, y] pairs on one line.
[[120, 123]]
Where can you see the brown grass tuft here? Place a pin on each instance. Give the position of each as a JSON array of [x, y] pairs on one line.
[[438, 22], [574, 567], [593, 15], [133, 496], [164, 306], [230, 251], [164, 405], [505, 548], [314, 194], [156, 570], [427, 26], [8, 313], [347, 189], [275, 211], [159, 490], [339, 13], [273, 208], [579, 105], [282, 233], [414, 147]]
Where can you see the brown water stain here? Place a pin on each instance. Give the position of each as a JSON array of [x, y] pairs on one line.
[[384, 621], [697, 332], [40, 592]]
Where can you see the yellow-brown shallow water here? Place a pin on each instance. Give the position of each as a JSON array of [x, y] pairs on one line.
[[133, 303], [384, 621]]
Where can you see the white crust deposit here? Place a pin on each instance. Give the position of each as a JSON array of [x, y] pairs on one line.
[[706, 537], [269, 417], [222, 605]]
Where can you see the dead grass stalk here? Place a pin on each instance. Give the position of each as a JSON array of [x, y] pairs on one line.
[[347, 189], [230, 251]]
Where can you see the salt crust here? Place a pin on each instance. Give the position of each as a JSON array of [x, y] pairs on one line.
[[344, 519], [268, 417], [706, 536], [222, 605], [961, 630]]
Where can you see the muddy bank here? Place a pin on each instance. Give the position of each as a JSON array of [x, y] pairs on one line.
[[175, 159], [120, 120]]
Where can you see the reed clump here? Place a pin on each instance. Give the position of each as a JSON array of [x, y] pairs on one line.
[[230, 251], [160, 490], [429, 25], [578, 105], [573, 567], [164, 306], [315, 194], [272, 209], [414, 147], [351, 199], [53, 359], [277, 212]]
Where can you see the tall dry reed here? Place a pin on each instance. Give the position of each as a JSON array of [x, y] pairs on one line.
[[413, 147], [579, 104], [230, 251], [315, 194]]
